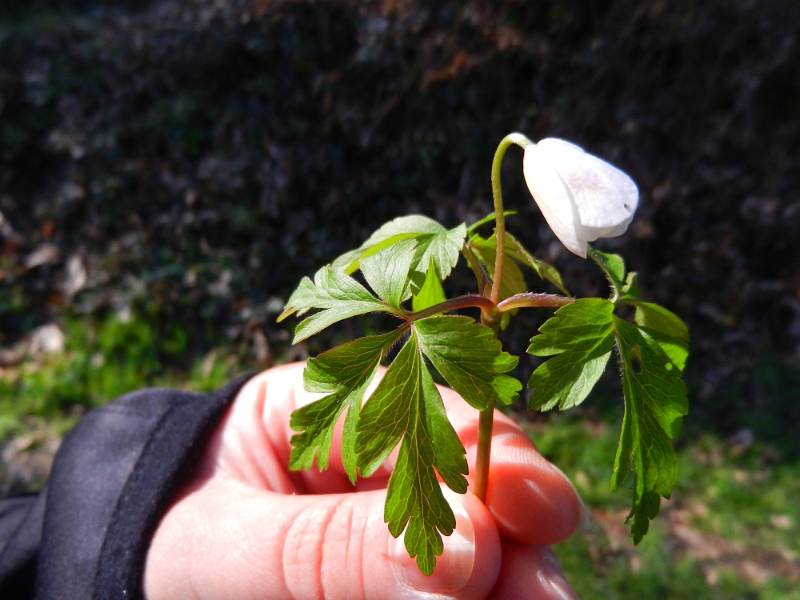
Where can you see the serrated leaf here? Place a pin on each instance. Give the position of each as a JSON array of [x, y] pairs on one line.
[[470, 358], [349, 261], [488, 219], [441, 251], [401, 228], [613, 266], [546, 272], [436, 245], [449, 454], [407, 406], [655, 402], [386, 416], [580, 338], [486, 252], [666, 328], [343, 373], [676, 349], [486, 248], [387, 271], [338, 295], [430, 292]]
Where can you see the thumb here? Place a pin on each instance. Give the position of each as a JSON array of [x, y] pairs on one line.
[[334, 546]]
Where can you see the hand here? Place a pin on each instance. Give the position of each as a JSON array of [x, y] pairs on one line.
[[244, 526]]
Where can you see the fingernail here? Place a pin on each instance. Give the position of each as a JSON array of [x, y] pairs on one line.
[[453, 567], [552, 577]]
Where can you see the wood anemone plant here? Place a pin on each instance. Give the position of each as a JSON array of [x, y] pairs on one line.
[[404, 262]]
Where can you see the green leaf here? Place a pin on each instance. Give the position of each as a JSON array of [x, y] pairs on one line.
[[415, 225], [435, 245], [349, 261], [486, 251], [430, 293], [666, 328], [387, 271], [386, 416], [338, 295], [469, 356], [441, 250], [343, 373], [580, 338], [546, 272], [655, 402], [659, 318], [487, 219], [630, 289], [407, 406], [613, 266]]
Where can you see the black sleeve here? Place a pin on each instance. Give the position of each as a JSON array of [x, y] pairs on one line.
[[86, 534]]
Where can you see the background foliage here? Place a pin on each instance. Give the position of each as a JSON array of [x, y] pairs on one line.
[[169, 169]]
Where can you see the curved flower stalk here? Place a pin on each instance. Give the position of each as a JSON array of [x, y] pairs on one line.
[[582, 197]]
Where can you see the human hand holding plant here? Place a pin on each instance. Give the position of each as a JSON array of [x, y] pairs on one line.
[[583, 198], [244, 526]]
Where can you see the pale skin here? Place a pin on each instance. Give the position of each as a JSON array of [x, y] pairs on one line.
[[245, 527]]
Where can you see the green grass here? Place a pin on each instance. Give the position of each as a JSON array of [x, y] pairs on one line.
[[731, 529], [101, 361]]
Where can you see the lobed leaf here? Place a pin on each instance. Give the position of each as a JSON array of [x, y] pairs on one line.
[[546, 272], [655, 402], [436, 246], [470, 358], [343, 373], [666, 328], [407, 406], [580, 337], [485, 250], [338, 295], [387, 271]]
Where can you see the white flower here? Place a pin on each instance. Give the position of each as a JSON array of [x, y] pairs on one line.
[[582, 197]]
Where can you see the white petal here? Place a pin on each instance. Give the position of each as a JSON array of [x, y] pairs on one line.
[[553, 199], [604, 197]]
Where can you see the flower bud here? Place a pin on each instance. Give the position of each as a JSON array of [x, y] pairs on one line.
[[582, 197]]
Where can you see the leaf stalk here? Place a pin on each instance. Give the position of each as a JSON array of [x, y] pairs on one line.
[[469, 301], [531, 300]]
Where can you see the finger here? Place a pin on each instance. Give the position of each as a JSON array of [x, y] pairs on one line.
[[530, 572], [258, 437], [328, 546], [531, 499]]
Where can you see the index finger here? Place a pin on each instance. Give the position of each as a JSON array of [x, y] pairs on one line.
[[531, 500]]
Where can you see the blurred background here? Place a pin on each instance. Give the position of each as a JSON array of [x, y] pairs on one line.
[[169, 169]]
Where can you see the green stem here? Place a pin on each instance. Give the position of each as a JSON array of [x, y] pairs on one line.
[[484, 455], [487, 414], [497, 195]]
